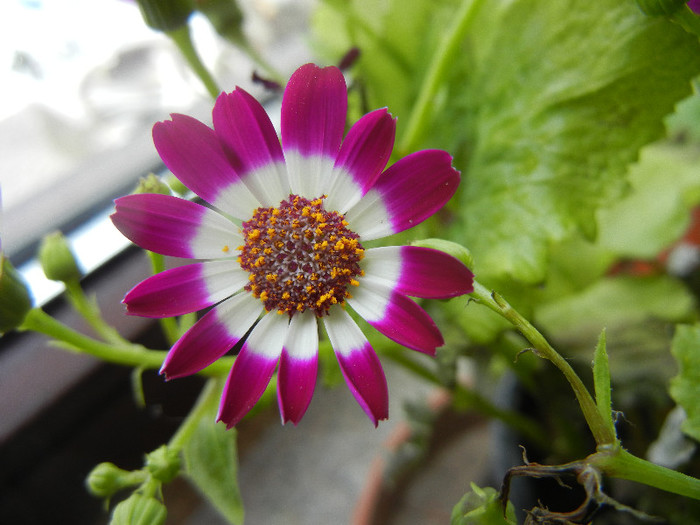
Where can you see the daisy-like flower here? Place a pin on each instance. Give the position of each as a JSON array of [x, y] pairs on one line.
[[297, 258]]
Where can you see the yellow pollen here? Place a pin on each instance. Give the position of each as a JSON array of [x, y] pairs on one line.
[[225, 249]]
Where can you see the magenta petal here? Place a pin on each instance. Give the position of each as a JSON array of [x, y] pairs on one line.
[[359, 364], [252, 369], [185, 289], [252, 146], [296, 377], [212, 336], [418, 272], [314, 108], [192, 151], [176, 227], [407, 193], [362, 157], [397, 317]]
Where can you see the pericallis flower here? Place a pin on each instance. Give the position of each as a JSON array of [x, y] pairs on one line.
[[282, 243]]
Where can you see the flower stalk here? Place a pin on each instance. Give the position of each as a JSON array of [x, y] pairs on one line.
[[602, 432]]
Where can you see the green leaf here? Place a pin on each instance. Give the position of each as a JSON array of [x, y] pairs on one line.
[[615, 302], [562, 95], [482, 506], [601, 382], [211, 463], [685, 387]]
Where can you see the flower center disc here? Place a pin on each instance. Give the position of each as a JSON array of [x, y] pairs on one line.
[[300, 256]]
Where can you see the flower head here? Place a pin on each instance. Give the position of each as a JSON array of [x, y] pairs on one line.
[[296, 258]]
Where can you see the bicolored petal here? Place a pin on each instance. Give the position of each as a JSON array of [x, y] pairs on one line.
[[314, 108], [418, 272], [296, 377], [212, 336], [253, 368], [192, 151], [359, 364], [396, 316], [407, 193], [176, 227], [185, 289], [362, 157], [251, 145]]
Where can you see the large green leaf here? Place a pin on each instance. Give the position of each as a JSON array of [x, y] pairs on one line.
[[685, 387], [211, 463], [562, 97]]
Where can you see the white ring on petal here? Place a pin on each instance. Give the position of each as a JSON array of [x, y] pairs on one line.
[[236, 200], [238, 313], [302, 337], [344, 334], [308, 174], [371, 299], [382, 265], [223, 278], [369, 218], [268, 336], [269, 183], [342, 191], [216, 237]]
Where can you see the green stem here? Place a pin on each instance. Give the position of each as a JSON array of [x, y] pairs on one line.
[[127, 354], [91, 313], [183, 40], [443, 58], [602, 433], [617, 462], [169, 325]]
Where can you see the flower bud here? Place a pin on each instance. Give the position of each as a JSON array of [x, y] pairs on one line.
[[226, 17], [163, 464], [451, 248], [106, 479], [165, 15], [152, 184], [660, 7], [57, 259], [138, 509], [15, 301]]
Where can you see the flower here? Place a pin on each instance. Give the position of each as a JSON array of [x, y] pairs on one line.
[[297, 259], [694, 6]]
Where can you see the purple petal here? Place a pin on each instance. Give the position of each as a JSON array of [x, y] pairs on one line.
[[360, 366], [212, 336], [407, 193], [192, 151], [694, 5], [175, 227], [418, 272], [314, 108], [253, 368], [252, 145], [362, 157], [185, 289], [397, 317], [296, 377]]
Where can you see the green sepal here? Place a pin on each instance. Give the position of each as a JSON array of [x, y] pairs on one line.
[[138, 509], [601, 383], [163, 464]]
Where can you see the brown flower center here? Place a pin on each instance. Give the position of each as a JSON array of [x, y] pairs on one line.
[[300, 256]]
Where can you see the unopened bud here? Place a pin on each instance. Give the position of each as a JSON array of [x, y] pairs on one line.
[[152, 184], [15, 300], [166, 15], [163, 464], [138, 509], [106, 479], [57, 259]]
